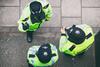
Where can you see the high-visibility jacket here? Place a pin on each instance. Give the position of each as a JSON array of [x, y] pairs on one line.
[[26, 14], [73, 49], [35, 61]]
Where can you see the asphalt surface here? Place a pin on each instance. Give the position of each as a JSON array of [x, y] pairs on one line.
[[14, 47]]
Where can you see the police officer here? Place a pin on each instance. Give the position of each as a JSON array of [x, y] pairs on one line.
[[42, 56], [76, 39], [33, 15]]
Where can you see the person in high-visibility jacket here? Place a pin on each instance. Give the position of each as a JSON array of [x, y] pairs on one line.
[[42, 56], [76, 39], [33, 16]]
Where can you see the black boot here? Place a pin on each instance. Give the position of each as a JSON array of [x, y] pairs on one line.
[[29, 36]]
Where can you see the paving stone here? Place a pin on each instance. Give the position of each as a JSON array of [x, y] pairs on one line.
[[91, 16], [9, 16], [55, 20], [4, 29], [91, 3], [55, 3], [71, 8], [49, 29], [23, 4], [9, 2], [66, 22], [14, 29], [12, 50]]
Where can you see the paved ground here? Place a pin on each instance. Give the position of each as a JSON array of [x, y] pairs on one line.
[[13, 46]]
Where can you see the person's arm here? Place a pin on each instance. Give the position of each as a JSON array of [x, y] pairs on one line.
[[63, 40], [48, 11], [22, 25], [22, 28]]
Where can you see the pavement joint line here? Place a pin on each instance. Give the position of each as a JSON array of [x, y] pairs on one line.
[[55, 6], [19, 7], [61, 13], [70, 17], [81, 12], [90, 7], [9, 6]]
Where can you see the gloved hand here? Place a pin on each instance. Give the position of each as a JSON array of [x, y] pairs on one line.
[[46, 20], [41, 16], [63, 30], [25, 26]]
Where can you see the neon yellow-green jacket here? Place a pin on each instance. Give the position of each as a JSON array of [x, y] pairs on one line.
[[65, 44], [26, 14], [35, 61]]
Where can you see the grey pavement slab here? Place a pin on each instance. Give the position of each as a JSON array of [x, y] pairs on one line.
[[90, 3], [55, 3], [91, 16], [23, 4], [49, 29], [9, 16], [71, 8], [55, 21], [9, 2], [4, 29], [70, 21]]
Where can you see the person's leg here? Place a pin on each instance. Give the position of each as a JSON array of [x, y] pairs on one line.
[[29, 65], [29, 36]]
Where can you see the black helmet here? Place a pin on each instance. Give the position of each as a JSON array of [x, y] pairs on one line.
[[37, 13], [35, 7], [76, 35], [44, 53]]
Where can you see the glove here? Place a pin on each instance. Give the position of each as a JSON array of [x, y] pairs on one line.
[[25, 26], [46, 20], [41, 16], [63, 30]]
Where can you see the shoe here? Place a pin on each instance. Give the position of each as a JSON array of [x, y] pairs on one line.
[[29, 36]]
